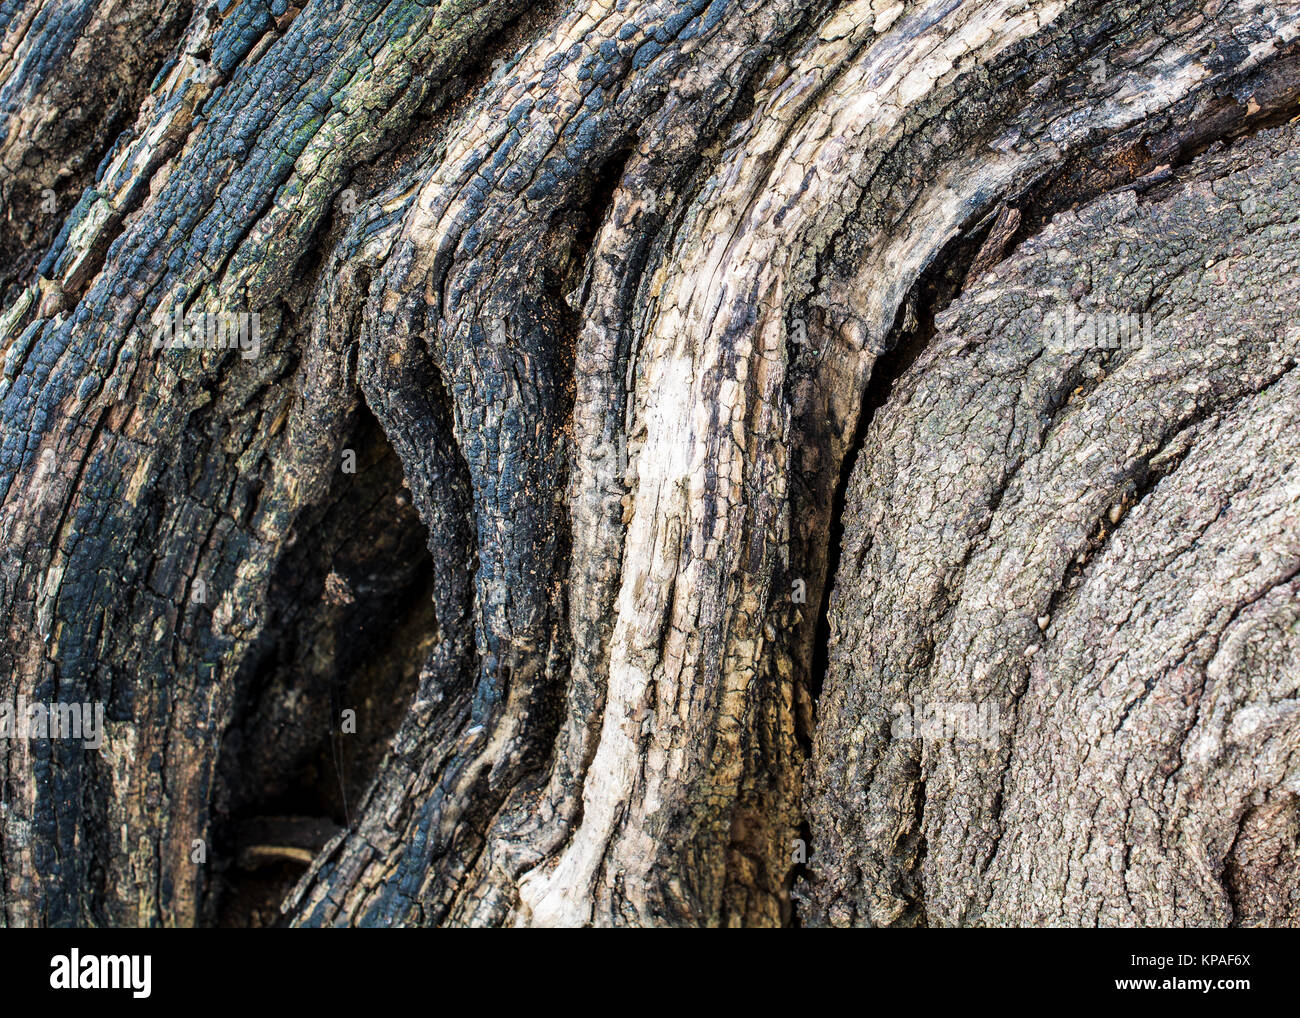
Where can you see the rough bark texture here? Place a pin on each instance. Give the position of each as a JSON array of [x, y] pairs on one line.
[[692, 359], [1103, 545]]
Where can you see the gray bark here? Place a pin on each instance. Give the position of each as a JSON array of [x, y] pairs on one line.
[[1097, 547]]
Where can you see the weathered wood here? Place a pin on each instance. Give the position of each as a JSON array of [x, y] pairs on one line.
[[602, 298]]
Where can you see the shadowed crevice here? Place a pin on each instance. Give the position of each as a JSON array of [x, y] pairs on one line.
[[350, 620]]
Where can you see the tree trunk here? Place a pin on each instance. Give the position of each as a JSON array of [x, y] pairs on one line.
[[684, 471]]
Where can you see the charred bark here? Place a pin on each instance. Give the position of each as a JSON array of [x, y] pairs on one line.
[[647, 398]]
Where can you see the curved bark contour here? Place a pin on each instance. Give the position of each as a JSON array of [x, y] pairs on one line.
[[486, 573], [1091, 547]]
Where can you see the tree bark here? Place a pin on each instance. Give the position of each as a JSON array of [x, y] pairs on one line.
[[649, 400], [1098, 546]]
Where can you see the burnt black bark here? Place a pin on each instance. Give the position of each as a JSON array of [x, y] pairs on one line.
[[515, 564]]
